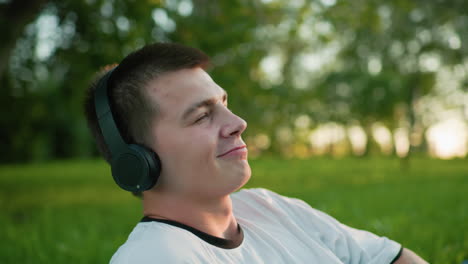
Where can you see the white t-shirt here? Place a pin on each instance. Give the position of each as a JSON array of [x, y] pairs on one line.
[[275, 229]]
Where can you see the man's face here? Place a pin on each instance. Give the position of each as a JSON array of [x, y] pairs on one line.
[[196, 136]]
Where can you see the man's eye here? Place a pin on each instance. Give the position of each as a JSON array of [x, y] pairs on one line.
[[205, 115]]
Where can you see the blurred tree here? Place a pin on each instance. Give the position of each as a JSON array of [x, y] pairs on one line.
[[14, 16], [55, 56], [345, 62], [391, 53], [53, 61]]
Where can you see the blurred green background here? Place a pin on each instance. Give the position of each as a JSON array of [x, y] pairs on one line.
[[72, 212], [358, 107]]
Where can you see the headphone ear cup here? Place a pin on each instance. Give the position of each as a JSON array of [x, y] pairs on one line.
[[153, 161], [136, 169]]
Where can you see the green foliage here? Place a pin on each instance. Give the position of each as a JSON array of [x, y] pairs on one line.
[[72, 212], [374, 73]]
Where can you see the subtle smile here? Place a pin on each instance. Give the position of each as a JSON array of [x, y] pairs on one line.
[[236, 150]]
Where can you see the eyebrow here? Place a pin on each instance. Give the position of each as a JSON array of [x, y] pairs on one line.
[[205, 103]]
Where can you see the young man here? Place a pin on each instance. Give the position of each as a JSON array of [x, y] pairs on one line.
[[162, 99]]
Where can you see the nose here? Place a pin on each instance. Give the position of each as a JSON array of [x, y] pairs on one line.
[[234, 127]]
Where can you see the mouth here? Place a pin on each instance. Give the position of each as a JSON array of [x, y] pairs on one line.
[[232, 150]]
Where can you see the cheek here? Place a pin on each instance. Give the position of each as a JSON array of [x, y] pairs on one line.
[[193, 146], [188, 159], [201, 144]]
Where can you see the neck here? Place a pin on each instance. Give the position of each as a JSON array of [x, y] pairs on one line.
[[213, 216]]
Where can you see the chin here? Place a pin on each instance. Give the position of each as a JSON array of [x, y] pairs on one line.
[[236, 181], [243, 183], [244, 178]]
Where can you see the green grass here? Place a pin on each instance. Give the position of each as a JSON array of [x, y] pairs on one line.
[[72, 212]]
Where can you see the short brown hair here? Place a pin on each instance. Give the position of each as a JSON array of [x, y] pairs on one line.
[[132, 109]]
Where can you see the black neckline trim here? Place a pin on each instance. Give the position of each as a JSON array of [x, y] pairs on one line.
[[213, 240], [397, 256]]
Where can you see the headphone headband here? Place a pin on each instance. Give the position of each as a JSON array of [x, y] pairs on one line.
[[134, 167], [106, 120]]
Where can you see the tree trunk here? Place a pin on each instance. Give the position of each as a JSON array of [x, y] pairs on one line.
[[413, 95]]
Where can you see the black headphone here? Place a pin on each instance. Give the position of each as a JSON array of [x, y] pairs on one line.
[[134, 167]]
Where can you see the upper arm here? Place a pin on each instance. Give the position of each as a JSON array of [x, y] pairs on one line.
[[409, 257]]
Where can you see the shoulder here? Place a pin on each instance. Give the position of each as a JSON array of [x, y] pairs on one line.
[[266, 198], [155, 242], [262, 202], [255, 199], [251, 193], [257, 194], [266, 207]]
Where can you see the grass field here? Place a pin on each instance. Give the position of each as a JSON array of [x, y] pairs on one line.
[[72, 212]]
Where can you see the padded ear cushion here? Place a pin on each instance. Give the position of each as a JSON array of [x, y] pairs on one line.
[[137, 169]]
